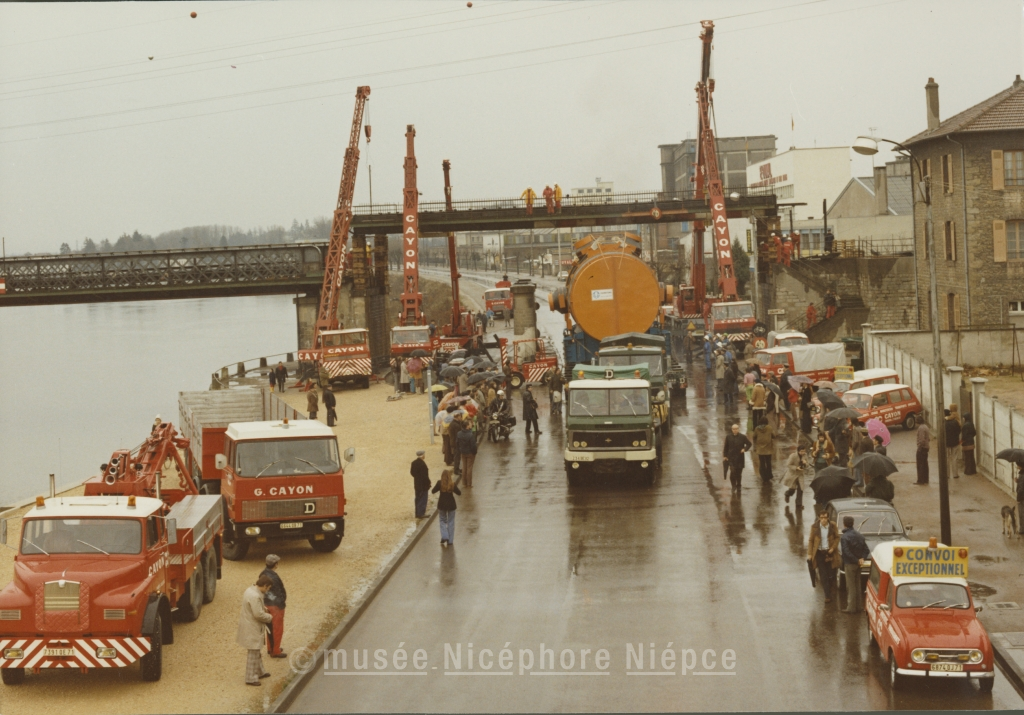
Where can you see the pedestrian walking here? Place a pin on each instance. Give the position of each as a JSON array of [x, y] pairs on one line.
[[454, 427], [734, 455], [952, 427], [420, 483], [330, 403], [861, 445], [466, 443], [812, 315], [275, 600], [758, 403], [748, 384], [719, 371], [312, 403], [764, 447], [280, 375], [707, 353], [556, 384], [729, 385], [968, 434], [549, 199], [793, 481], [823, 551], [252, 626], [446, 506], [806, 403], [403, 375], [529, 196], [530, 412], [830, 303], [924, 444], [854, 550]]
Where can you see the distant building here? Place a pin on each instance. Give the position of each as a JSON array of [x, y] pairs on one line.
[[735, 154], [975, 165], [598, 192], [874, 209]]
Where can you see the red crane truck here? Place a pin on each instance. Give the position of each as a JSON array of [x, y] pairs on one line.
[[97, 577], [280, 479]]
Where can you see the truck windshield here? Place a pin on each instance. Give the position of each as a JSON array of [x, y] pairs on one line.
[[286, 457], [653, 362], [932, 595], [873, 523], [81, 536], [787, 342], [603, 403], [497, 294], [420, 335], [345, 339], [763, 358], [732, 312], [856, 401]]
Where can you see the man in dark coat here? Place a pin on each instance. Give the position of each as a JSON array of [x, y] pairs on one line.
[[420, 482], [734, 455], [280, 375], [952, 427], [465, 442], [274, 600], [330, 401], [968, 434], [530, 411], [729, 385], [312, 403], [854, 550], [879, 487]]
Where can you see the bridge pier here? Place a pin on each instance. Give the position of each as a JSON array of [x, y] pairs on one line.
[[524, 305], [306, 308]]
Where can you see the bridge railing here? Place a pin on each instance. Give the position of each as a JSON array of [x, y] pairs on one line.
[[252, 371]]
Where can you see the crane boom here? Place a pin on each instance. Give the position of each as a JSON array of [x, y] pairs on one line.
[[334, 264], [412, 299], [709, 184], [452, 258]]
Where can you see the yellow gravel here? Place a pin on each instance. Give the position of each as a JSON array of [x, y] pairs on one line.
[[204, 669]]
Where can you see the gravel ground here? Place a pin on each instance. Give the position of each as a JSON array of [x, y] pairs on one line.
[[204, 668]]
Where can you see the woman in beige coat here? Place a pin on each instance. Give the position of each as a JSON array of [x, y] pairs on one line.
[[252, 627]]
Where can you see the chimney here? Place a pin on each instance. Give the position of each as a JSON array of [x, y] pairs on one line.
[[931, 93], [1018, 82], [881, 192]]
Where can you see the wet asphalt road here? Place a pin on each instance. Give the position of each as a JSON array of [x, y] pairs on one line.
[[677, 566]]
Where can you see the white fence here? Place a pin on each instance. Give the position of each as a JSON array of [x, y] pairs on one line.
[[999, 427]]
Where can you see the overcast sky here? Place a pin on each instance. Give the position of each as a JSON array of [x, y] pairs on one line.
[[242, 115]]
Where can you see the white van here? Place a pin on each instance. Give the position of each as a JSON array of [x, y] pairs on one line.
[[867, 378]]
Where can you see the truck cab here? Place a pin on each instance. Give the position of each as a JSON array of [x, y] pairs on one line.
[[641, 349], [735, 319], [406, 338], [818, 361], [609, 422], [922, 616], [346, 356], [499, 300], [281, 480], [787, 338]]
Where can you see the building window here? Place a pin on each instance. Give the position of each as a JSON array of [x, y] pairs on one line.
[[1015, 240], [1013, 168], [947, 173], [950, 236], [1017, 307], [952, 311]]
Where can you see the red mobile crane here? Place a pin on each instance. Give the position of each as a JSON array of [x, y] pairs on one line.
[[461, 332], [724, 313]]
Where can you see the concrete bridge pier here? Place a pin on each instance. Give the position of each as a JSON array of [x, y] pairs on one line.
[[525, 306]]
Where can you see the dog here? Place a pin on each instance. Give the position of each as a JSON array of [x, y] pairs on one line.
[[1010, 521]]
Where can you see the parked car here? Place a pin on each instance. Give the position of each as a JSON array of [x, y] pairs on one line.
[[867, 378], [876, 520], [893, 404], [563, 275]]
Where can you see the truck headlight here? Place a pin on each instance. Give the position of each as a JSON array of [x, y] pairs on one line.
[[643, 443], [252, 531], [583, 444], [329, 526], [917, 655], [106, 652], [576, 443], [14, 653], [636, 443], [977, 656]]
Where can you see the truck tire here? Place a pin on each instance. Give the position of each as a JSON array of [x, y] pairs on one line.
[[152, 662], [329, 543], [986, 684], [13, 676], [210, 575], [193, 597], [365, 383], [896, 681], [516, 380], [234, 550]]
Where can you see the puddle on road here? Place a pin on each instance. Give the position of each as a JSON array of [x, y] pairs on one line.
[[990, 559], [967, 511], [980, 590]]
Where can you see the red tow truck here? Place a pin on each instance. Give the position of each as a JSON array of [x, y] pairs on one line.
[[499, 298], [280, 479], [97, 577], [345, 355], [530, 360], [818, 361]]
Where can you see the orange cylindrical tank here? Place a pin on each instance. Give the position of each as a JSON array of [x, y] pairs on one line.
[[611, 291]]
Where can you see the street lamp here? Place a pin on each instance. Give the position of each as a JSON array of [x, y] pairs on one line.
[[868, 146]]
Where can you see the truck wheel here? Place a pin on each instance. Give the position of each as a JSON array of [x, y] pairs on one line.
[[210, 575], [365, 383], [911, 422], [329, 543], [193, 598], [16, 676], [895, 679], [573, 475], [152, 662], [235, 550], [872, 643], [516, 380], [986, 684]]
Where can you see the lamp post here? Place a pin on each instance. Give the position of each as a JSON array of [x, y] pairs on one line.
[[868, 146]]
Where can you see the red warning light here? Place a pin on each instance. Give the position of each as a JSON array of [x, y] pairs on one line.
[[192, 14]]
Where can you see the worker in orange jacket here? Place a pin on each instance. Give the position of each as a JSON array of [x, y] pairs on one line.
[[777, 242], [529, 196], [549, 199], [558, 198], [796, 244], [812, 315], [787, 252]]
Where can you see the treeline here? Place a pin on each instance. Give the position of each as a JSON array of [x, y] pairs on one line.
[[206, 237]]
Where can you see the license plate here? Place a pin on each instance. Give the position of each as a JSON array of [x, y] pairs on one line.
[[581, 458], [291, 525], [948, 667], [51, 652]]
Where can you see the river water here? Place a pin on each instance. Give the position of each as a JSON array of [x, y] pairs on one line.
[[79, 381]]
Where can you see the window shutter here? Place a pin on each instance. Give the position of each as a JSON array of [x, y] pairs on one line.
[[999, 240], [997, 176], [952, 240], [955, 322]]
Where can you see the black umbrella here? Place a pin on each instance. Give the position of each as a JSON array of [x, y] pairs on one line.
[[831, 483], [485, 364], [830, 400], [842, 413], [874, 464], [773, 387], [452, 371], [419, 352], [479, 377], [1015, 455]]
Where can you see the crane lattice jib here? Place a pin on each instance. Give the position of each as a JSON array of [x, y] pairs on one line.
[[334, 264], [412, 299], [709, 180], [452, 258]]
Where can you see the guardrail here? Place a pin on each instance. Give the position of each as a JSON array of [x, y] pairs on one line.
[[238, 374]]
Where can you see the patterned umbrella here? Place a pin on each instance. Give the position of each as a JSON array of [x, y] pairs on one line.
[[877, 428]]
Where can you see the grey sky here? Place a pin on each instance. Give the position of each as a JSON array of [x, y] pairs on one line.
[[577, 108]]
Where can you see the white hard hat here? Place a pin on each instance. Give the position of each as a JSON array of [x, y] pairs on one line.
[[501, 393]]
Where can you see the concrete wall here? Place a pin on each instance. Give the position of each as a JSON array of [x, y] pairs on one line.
[[972, 348], [306, 308]]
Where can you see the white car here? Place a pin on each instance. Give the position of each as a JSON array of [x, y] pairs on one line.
[[562, 275]]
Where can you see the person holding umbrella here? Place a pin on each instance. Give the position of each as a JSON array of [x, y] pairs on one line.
[[764, 446], [734, 455], [822, 452], [823, 552], [806, 395], [795, 466], [831, 483]]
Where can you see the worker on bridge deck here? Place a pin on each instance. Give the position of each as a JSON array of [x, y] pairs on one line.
[[549, 199], [558, 198], [529, 196]]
